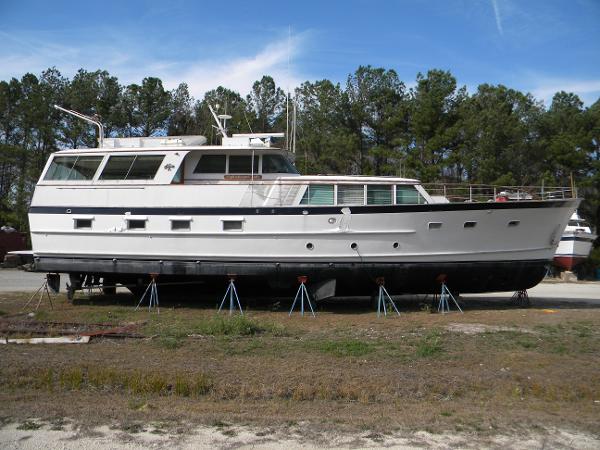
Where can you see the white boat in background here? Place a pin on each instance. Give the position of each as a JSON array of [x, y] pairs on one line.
[[575, 243], [182, 209]]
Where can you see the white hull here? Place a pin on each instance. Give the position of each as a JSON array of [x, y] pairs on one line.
[[401, 235], [106, 223]]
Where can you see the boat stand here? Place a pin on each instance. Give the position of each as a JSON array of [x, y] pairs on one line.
[[521, 299], [444, 306], [43, 289], [232, 293], [302, 292], [153, 300], [384, 298]]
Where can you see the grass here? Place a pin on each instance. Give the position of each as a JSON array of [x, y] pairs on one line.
[[237, 326], [29, 425], [112, 380], [170, 342], [430, 345], [171, 332], [347, 347], [352, 369]]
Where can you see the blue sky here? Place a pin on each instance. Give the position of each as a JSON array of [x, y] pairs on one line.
[[533, 45]]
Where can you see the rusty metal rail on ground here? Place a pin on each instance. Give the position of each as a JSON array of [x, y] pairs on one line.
[[47, 328]]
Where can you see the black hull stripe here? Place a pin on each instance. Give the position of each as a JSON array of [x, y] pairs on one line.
[[297, 210]]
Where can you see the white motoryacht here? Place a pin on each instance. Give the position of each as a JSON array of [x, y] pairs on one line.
[[182, 209], [575, 243]]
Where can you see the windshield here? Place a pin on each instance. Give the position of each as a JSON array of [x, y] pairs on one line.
[[277, 164]]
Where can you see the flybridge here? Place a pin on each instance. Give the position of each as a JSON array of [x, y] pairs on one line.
[[250, 140], [158, 141], [237, 140]]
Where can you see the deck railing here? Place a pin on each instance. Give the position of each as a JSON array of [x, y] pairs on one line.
[[458, 193], [320, 193]]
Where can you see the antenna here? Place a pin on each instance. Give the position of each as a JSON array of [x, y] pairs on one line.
[[287, 97], [87, 119], [223, 117]]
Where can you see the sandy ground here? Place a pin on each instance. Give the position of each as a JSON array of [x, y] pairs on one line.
[[298, 436]]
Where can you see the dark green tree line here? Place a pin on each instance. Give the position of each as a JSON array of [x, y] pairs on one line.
[[373, 125]]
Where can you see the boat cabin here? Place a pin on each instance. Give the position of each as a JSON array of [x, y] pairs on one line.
[[246, 160]]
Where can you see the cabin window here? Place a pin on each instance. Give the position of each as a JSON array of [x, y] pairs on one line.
[[73, 167], [181, 225], [60, 167], [277, 164], [232, 225], [379, 195], [242, 164], [145, 167], [133, 167], [351, 194], [211, 164], [117, 168], [136, 224], [408, 195], [514, 223], [85, 167], [178, 177], [579, 223], [435, 225], [318, 194], [470, 224], [83, 224]]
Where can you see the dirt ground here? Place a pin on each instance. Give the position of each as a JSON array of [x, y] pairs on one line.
[[495, 376]]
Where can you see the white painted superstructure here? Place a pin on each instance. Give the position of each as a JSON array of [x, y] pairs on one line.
[[178, 207]]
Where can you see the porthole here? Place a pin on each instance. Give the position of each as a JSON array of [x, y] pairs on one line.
[[180, 225], [331, 220], [435, 225], [310, 246], [354, 246], [136, 224], [233, 225], [470, 224], [83, 223], [395, 245], [514, 223]]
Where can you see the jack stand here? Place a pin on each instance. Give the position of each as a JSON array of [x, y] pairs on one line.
[[41, 290], [521, 299], [232, 292], [302, 292], [384, 298], [91, 283], [444, 306], [153, 300]]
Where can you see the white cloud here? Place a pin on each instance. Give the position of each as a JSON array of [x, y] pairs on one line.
[[131, 61], [497, 16], [545, 88], [239, 73]]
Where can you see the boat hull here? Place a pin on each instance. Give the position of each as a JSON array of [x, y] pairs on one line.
[[573, 249], [351, 278], [507, 247]]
